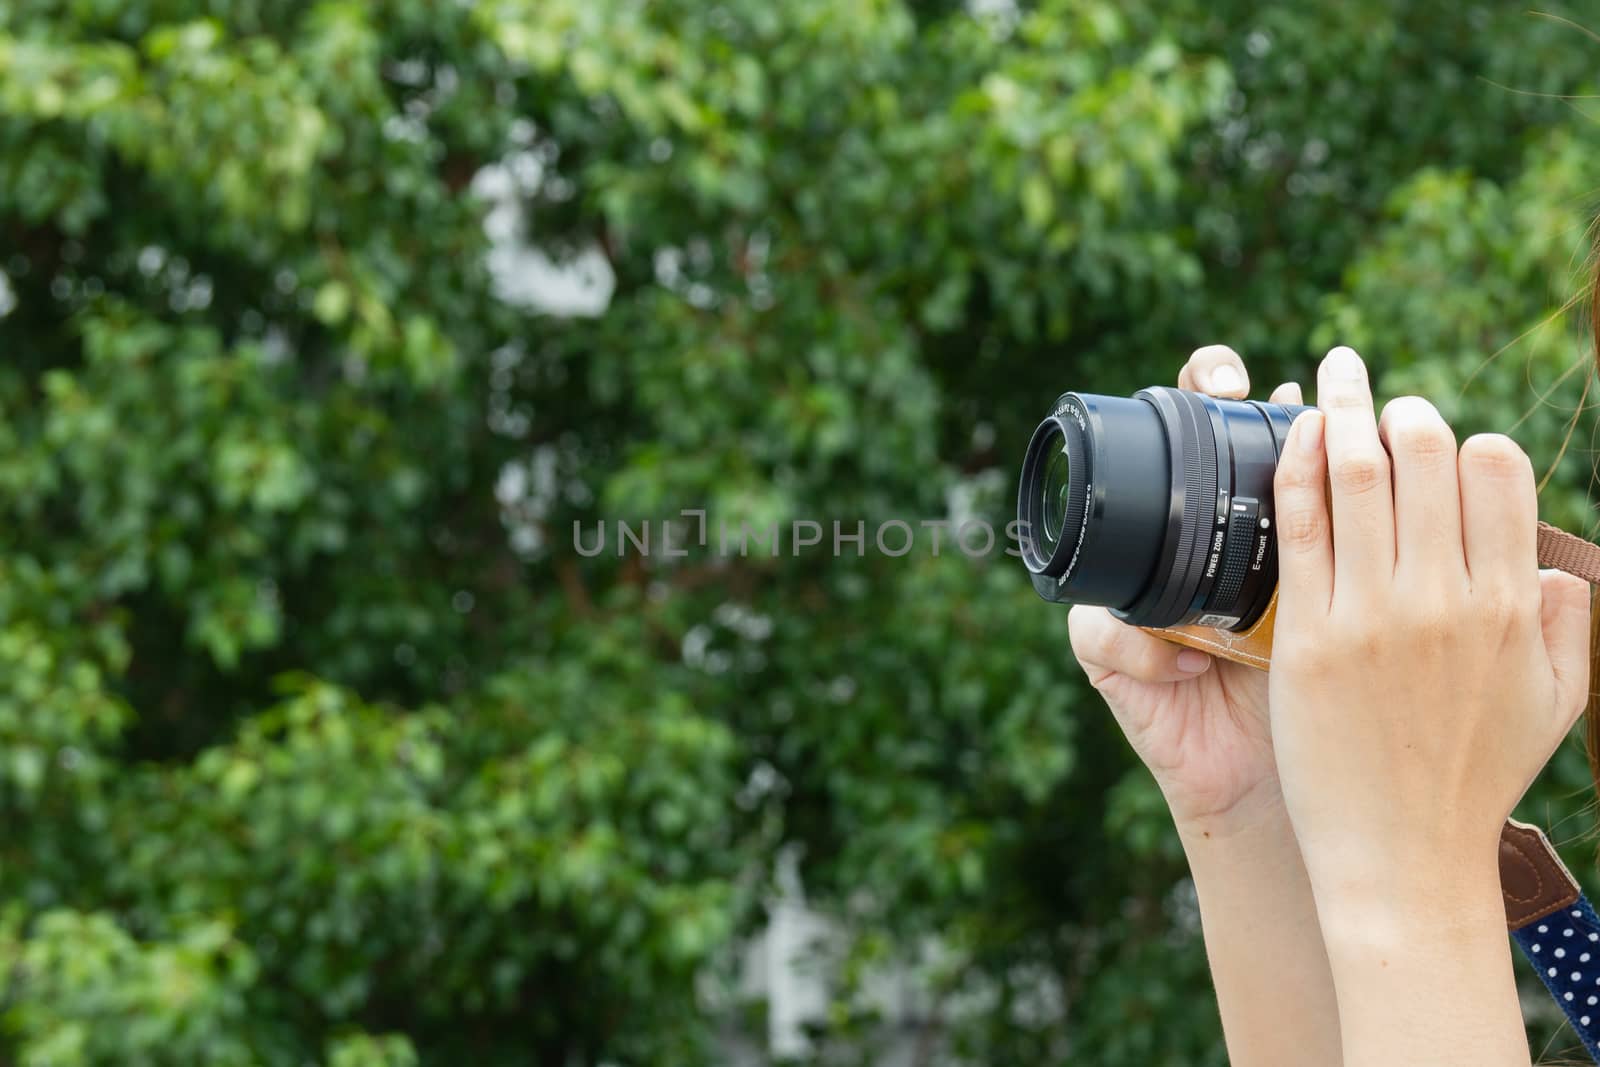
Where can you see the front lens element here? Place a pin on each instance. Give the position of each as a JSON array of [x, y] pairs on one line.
[[1055, 485], [1052, 498]]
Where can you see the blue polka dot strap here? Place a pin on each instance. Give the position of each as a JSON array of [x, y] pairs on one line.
[[1555, 926]]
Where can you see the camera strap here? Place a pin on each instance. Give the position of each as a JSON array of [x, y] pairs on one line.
[[1568, 552], [1550, 919], [1554, 925]]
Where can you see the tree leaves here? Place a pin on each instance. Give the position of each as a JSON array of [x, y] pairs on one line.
[[318, 740]]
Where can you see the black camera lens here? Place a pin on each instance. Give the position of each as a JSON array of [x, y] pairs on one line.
[[1158, 506]]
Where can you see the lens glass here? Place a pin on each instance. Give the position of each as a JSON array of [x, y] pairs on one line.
[[1053, 491]]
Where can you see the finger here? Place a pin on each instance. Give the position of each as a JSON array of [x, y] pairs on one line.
[[1427, 496], [1358, 471], [1305, 535], [1105, 645], [1287, 393], [1564, 605], [1499, 519], [1217, 370]]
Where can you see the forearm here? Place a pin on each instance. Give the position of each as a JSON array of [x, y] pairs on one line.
[[1422, 966], [1268, 962]]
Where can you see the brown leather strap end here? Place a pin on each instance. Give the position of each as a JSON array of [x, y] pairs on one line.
[[1533, 880], [1568, 552]]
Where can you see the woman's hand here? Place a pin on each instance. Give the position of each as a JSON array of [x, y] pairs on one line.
[[1423, 671], [1200, 725]]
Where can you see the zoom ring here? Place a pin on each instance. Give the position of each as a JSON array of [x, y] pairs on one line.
[[1199, 487]]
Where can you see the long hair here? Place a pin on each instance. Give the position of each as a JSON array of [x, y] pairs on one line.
[[1591, 712]]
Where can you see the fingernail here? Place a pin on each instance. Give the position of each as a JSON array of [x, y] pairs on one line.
[[1344, 362], [1192, 662], [1308, 432], [1225, 379]]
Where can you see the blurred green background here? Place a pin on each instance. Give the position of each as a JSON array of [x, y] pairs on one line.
[[322, 323]]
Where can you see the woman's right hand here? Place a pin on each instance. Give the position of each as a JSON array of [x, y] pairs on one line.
[[1201, 727], [1199, 724]]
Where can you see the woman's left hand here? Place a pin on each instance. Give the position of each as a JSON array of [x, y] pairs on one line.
[[1423, 671]]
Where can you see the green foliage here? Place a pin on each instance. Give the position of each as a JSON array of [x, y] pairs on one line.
[[319, 742], [83, 990]]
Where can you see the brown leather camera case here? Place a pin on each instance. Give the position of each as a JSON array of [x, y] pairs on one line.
[[1252, 647]]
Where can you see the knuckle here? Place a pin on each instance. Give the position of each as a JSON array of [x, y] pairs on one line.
[[1494, 455], [1430, 621], [1524, 605], [1294, 476], [1359, 639], [1414, 428], [1503, 606], [1344, 399], [1300, 527], [1494, 614], [1427, 444], [1360, 474]]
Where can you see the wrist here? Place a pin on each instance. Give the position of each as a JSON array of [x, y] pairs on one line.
[[1361, 857], [1421, 966], [1256, 816], [1443, 898], [1245, 852]]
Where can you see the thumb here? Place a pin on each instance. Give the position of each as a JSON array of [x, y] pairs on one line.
[[1105, 646], [1564, 617]]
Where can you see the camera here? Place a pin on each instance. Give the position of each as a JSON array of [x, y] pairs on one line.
[[1157, 506]]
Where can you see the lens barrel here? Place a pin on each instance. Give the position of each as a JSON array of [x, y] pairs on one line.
[[1158, 506]]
